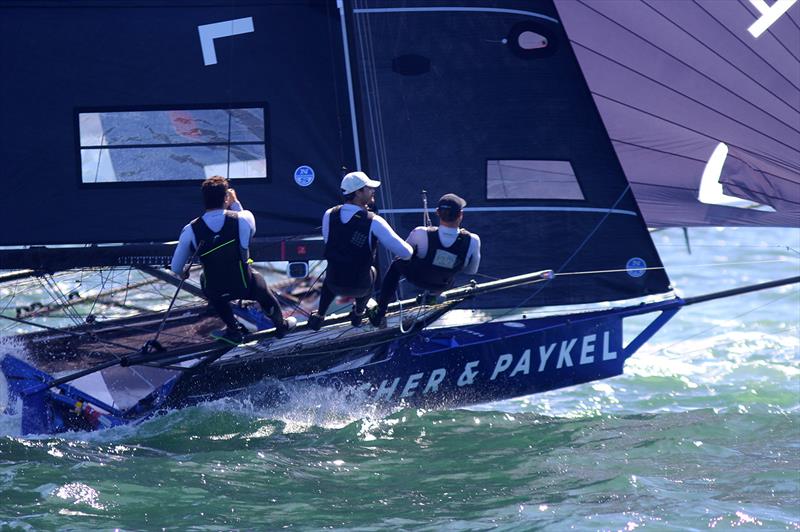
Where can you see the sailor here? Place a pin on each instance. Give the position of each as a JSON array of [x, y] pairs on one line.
[[223, 236], [439, 254], [351, 234]]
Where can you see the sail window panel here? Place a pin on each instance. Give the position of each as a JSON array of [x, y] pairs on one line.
[[172, 145], [174, 163], [531, 179]]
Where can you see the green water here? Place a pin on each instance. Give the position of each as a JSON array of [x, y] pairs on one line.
[[702, 432]]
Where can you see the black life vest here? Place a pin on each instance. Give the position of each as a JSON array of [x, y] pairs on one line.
[[437, 270], [348, 251], [225, 270]]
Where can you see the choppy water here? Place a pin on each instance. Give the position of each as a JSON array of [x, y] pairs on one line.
[[702, 432]]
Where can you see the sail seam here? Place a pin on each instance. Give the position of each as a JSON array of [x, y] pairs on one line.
[[749, 48], [681, 156], [769, 29], [609, 98], [690, 98], [721, 57]]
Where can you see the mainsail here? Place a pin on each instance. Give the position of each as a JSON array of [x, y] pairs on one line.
[[448, 99], [490, 103], [113, 112]]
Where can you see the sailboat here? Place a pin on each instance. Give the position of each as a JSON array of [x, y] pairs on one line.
[[125, 109]]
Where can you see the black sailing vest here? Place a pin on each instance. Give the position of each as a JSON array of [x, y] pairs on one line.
[[437, 270], [348, 250], [225, 272]]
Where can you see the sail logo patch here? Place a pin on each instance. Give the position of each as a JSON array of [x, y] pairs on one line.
[[636, 267], [304, 175]]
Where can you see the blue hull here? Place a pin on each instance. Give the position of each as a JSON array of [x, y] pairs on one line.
[[494, 361], [445, 367]]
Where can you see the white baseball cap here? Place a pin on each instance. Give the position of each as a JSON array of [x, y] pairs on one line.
[[356, 180]]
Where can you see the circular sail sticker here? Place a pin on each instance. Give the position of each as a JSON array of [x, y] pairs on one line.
[[636, 267], [304, 175]]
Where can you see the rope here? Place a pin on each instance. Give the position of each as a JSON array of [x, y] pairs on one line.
[[713, 327], [568, 260]]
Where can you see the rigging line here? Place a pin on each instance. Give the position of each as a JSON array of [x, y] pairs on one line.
[[376, 119], [99, 157], [102, 286], [230, 117], [706, 331], [92, 337], [15, 288], [372, 96], [721, 57], [58, 295], [184, 275], [683, 126], [297, 305], [695, 100], [748, 47], [569, 259], [649, 268], [731, 246], [127, 286], [773, 34], [44, 284]]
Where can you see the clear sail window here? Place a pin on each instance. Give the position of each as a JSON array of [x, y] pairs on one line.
[[527, 179], [172, 145]]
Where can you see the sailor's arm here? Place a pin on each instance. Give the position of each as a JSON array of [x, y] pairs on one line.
[[386, 236], [182, 251], [247, 222], [473, 255], [326, 224], [418, 240]]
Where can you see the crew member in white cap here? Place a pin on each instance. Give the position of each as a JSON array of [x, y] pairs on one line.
[[351, 236], [439, 254]]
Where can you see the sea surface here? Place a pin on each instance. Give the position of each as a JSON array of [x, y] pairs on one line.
[[702, 432]]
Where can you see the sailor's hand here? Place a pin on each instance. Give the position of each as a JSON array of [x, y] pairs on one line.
[[185, 274], [230, 198]]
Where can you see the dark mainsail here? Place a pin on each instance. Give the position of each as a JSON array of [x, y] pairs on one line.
[[498, 111], [112, 114], [485, 101]]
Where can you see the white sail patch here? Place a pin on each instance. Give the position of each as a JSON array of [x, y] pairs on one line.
[[769, 15], [217, 30]]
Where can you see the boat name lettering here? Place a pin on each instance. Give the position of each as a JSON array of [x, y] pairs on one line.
[[468, 376], [568, 355]]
